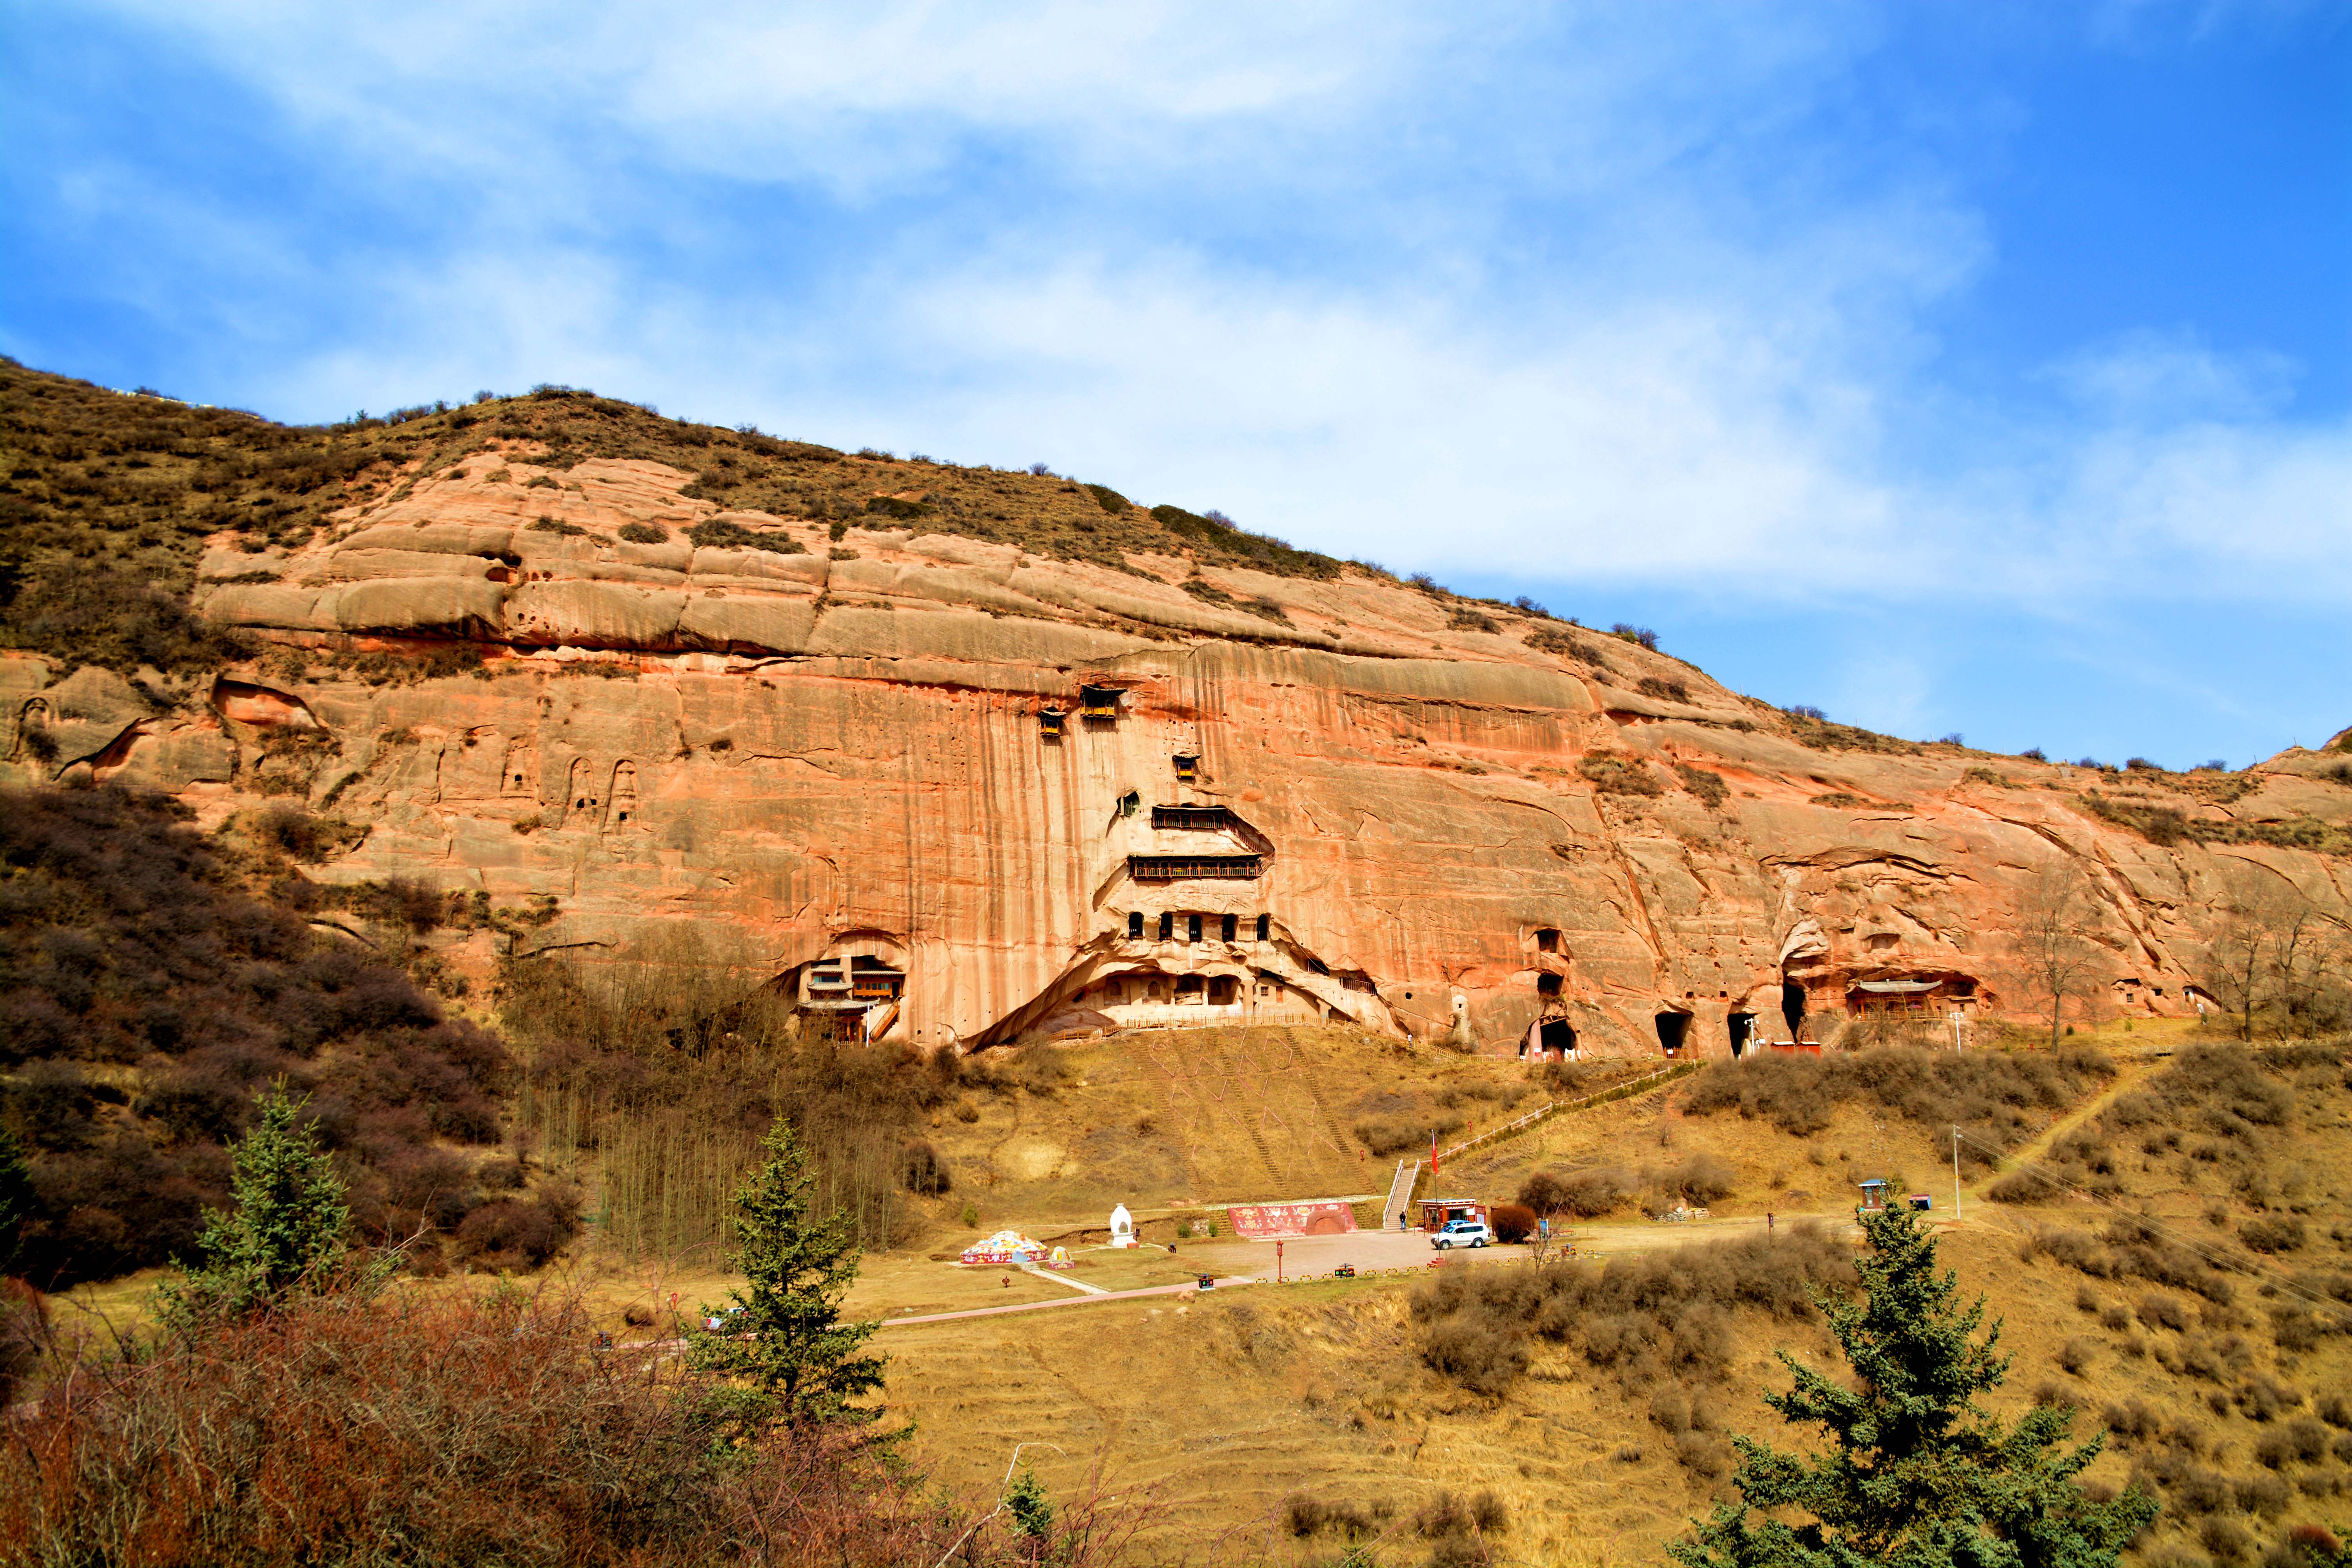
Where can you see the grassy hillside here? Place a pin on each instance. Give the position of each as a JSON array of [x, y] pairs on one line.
[[1166, 1121], [2220, 1371]]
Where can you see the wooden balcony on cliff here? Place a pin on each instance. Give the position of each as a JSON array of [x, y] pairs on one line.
[[1194, 867], [1192, 818], [1098, 701]]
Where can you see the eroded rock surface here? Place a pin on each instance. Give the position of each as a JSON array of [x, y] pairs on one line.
[[953, 794]]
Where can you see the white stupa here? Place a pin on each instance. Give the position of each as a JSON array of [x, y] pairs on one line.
[[1122, 1227]]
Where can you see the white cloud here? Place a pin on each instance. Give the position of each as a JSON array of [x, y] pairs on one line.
[[1580, 296], [2146, 377]]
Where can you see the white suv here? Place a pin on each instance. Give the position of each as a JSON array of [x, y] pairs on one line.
[[1461, 1233]]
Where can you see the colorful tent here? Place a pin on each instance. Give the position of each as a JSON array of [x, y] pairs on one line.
[[1005, 1247]]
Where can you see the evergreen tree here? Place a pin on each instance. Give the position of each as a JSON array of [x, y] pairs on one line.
[[284, 1226], [1912, 1472], [1032, 1509], [784, 1346]]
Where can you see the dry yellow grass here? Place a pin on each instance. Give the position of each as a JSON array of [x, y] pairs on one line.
[[1220, 1407], [1169, 1122]]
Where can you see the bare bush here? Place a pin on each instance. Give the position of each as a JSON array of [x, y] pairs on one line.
[[1647, 1319], [130, 940], [1991, 1095], [382, 1431], [1586, 1194]]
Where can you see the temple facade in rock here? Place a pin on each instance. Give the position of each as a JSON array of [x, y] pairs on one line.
[[952, 794]]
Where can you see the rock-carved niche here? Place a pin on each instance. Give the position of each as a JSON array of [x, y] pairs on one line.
[[583, 797], [518, 775], [855, 990], [621, 808]]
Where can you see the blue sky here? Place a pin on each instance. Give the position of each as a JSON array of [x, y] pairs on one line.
[[1982, 368]]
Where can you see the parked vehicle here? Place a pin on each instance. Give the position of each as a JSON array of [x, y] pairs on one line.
[[1463, 1233]]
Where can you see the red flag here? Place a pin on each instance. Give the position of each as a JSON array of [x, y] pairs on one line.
[[1432, 1151]]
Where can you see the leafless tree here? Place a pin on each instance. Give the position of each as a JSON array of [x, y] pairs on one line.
[[2277, 954], [2234, 963], [2047, 943]]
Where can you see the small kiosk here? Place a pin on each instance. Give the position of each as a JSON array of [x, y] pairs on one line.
[[1436, 1213]]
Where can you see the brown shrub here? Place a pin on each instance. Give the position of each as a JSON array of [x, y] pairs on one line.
[[2226, 1539], [2272, 1233], [2265, 1495], [1308, 1517], [1512, 1222], [1612, 773], [1647, 1318], [1704, 784], [509, 1233], [1991, 1095], [923, 1171], [1703, 1178], [1482, 1355], [130, 939], [1394, 1134], [412, 1429], [1584, 1194]]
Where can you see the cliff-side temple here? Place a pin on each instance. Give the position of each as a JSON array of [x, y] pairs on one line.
[[956, 795]]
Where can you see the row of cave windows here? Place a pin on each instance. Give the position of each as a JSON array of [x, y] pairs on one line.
[[1216, 990], [1228, 927]]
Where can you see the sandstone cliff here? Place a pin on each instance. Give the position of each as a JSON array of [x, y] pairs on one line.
[[954, 788]]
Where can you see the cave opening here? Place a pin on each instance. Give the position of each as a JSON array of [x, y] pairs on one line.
[[1135, 925], [1557, 1038], [1792, 1008], [1671, 1028], [1743, 1030]]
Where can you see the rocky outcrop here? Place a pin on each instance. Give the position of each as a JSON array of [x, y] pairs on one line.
[[956, 795]]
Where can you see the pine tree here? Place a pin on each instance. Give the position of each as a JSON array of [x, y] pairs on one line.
[[1913, 1473], [1032, 1509], [784, 1347], [284, 1228]]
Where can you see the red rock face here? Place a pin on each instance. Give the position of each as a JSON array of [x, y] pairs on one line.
[[952, 794]]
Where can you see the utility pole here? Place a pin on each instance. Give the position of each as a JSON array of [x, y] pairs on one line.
[[1956, 1173]]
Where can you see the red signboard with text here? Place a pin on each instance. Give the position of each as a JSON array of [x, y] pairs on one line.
[[1258, 1222]]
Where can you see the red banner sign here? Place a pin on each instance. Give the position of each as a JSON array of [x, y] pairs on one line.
[[1259, 1222]]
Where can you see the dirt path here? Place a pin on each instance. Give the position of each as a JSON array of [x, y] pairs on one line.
[[2129, 1072]]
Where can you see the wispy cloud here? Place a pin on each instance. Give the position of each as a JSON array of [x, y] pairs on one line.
[[1623, 295]]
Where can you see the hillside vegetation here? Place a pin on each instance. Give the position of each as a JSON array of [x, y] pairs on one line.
[[1583, 1409], [148, 989]]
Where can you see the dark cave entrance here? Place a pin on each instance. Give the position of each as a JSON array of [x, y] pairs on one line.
[[1671, 1028], [1559, 1039], [1792, 1008], [1743, 1030]]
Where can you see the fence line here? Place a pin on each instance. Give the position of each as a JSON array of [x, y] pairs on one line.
[[1622, 1092]]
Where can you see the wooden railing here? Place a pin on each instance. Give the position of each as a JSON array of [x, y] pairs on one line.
[[1190, 867], [1551, 1107]]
